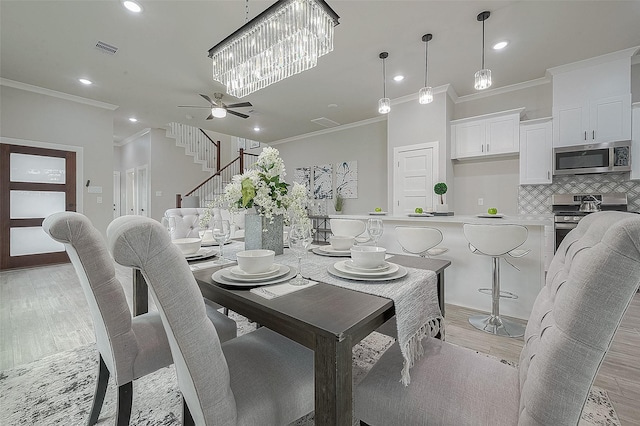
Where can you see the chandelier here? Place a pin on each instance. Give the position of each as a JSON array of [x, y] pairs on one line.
[[285, 39]]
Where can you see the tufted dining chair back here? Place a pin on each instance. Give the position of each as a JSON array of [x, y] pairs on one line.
[[187, 221], [590, 283]]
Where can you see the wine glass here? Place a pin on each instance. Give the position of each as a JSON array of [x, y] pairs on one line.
[[221, 233], [300, 239], [375, 229]]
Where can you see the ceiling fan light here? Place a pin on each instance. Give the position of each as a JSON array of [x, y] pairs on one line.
[[483, 79], [218, 112], [384, 105], [425, 95]]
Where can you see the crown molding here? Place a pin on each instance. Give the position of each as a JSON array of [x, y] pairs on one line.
[[132, 137], [635, 59], [331, 130], [55, 94], [613, 56], [501, 90]]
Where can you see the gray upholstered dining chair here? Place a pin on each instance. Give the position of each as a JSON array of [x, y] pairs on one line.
[[128, 347], [591, 281], [259, 378]]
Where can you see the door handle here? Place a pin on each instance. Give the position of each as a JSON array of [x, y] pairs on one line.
[[487, 147], [585, 135], [593, 134]]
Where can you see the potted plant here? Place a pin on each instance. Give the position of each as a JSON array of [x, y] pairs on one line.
[[338, 204], [440, 189]]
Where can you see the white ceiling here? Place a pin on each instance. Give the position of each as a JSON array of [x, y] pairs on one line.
[[162, 58]]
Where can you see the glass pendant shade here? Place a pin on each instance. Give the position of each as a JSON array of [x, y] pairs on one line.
[[425, 95], [483, 79], [219, 112], [285, 39], [384, 105]]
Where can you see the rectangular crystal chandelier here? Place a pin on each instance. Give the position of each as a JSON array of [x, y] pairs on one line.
[[285, 39]]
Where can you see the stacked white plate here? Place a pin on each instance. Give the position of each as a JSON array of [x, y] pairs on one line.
[[203, 253], [234, 276], [385, 272], [330, 251]]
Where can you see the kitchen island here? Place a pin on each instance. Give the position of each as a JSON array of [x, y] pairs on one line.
[[469, 271]]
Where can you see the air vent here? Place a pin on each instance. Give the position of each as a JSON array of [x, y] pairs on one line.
[[106, 48], [325, 122]]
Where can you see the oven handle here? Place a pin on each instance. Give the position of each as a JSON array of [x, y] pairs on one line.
[[566, 225]]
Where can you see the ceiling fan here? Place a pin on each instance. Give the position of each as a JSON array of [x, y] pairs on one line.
[[218, 108]]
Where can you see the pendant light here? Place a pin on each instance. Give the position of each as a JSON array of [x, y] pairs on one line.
[[384, 104], [483, 77], [425, 95]]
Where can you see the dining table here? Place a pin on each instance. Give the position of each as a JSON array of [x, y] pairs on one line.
[[325, 318]]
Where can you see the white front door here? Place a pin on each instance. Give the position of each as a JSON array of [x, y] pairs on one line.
[[415, 173]]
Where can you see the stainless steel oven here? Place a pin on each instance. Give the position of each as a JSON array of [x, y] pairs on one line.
[[596, 158], [567, 214]]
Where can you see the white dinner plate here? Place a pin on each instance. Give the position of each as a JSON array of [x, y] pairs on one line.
[[401, 272], [236, 271], [377, 213], [420, 214], [350, 264], [282, 270], [331, 254], [203, 253], [329, 249], [214, 243], [222, 277], [490, 216], [341, 267]]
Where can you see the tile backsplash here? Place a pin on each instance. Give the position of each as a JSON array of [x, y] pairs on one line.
[[536, 199]]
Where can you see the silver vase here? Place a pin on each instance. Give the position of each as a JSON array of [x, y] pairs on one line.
[[261, 233]]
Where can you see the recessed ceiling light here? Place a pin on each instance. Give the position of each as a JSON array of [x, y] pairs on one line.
[[132, 6], [256, 129], [398, 78], [85, 81], [500, 45], [332, 105], [133, 119]]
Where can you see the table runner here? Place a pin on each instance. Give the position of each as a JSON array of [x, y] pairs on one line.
[[414, 296]]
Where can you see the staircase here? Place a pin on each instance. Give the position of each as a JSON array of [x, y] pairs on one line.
[[196, 144]]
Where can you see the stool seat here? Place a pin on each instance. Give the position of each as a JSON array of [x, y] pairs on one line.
[[496, 241], [420, 240]]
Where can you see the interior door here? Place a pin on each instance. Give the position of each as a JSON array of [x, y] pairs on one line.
[[35, 182], [142, 191], [415, 174], [116, 195], [130, 191]]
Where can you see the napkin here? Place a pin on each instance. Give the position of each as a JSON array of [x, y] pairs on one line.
[[277, 290], [210, 264]]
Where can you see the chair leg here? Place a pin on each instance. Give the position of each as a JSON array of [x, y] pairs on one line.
[[187, 419], [125, 399], [101, 390]]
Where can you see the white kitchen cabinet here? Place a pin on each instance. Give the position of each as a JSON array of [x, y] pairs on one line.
[[635, 143], [487, 135], [595, 121], [536, 152]]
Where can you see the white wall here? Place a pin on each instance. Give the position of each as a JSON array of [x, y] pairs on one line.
[[41, 118], [367, 144]]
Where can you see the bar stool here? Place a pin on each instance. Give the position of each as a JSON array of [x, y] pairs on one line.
[[496, 241], [420, 240]]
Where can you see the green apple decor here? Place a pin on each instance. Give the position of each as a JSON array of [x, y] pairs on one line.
[[378, 209], [492, 210], [440, 189], [418, 210]]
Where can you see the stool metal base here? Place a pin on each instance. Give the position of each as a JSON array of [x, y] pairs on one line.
[[497, 325]]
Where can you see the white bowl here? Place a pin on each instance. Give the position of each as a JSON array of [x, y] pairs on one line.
[[368, 257], [188, 245], [255, 261], [339, 242]]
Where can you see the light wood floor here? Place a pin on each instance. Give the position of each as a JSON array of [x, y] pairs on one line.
[[43, 311]]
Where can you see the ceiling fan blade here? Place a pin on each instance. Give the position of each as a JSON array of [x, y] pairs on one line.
[[240, 105], [193, 106], [209, 117], [238, 114], [208, 99]]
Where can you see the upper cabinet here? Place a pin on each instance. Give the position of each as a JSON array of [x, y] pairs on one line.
[[595, 121], [536, 152], [592, 101], [487, 135]]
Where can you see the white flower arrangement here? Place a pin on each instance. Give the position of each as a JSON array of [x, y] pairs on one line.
[[265, 189]]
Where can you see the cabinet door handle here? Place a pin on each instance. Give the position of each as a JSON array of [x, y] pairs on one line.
[[593, 134], [487, 147], [548, 175], [482, 148], [585, 135]]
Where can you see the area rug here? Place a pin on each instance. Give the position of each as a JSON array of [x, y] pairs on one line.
[[58, 390]]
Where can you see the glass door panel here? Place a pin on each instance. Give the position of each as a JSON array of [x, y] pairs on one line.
[[35, 204], [32, 240], [37, 169]]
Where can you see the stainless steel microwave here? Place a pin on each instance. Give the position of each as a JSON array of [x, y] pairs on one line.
[[597, 158]]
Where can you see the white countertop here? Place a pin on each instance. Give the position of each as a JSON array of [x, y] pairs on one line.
[[527, 220]]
